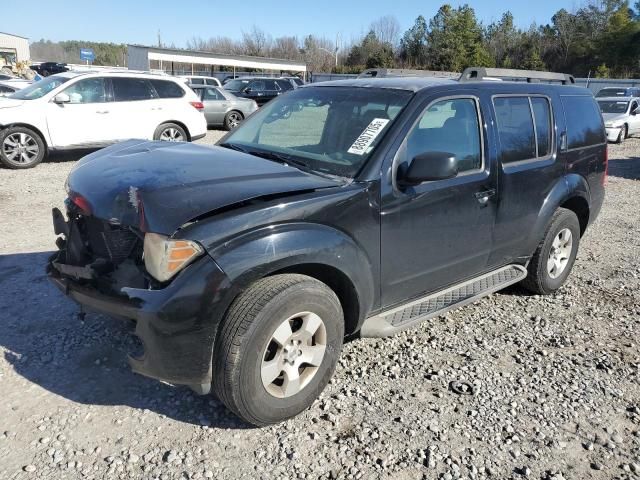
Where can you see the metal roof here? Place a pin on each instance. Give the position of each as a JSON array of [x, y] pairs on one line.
[[212, 58], [14, 35]]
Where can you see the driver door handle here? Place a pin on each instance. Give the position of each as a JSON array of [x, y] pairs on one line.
[[483, 197]]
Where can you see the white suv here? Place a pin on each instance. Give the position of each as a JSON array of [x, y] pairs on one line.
[[93, 109]]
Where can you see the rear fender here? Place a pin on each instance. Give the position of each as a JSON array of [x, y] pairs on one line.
[[569, 186]]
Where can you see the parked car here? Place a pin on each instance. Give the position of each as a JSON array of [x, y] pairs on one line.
[[297, 81], [258, 88], [223, 108], [619, 92], [362, 205], [90, 110], [621, 117], [200, 80], [50, 68]]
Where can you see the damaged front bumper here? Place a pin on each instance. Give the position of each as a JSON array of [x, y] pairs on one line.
[[176, 323]]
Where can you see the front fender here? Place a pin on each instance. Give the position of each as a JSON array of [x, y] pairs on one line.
[[569, 186], [261, 252]]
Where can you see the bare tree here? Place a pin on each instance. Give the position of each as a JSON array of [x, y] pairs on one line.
[[255, 42], [387, 29]]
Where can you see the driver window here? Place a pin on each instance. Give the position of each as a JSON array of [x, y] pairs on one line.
[[90, 90], [449, 126], [257, 86], [634, 106]]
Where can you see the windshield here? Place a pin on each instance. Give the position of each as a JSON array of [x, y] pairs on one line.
[[612, 92], [612, 106], [330, 130], [40, 88]]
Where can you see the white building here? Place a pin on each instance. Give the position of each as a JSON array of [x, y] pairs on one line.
[[190, 62], [14, 46]]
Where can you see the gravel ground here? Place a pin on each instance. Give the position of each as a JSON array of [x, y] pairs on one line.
[[557, 380]]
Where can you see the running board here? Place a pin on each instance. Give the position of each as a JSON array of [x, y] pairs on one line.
[[411, 314]]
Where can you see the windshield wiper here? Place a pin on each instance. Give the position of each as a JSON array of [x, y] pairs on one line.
[[233, 146]]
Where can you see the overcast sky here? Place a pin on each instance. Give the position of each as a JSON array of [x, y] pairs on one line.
[[138, 21]]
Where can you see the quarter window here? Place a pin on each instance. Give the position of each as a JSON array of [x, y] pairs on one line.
[[584, 121], [89, 90], [132, 89], [542, 117], [449, 126], [167, 89]]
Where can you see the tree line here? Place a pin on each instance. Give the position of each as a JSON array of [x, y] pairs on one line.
[[601, 38]]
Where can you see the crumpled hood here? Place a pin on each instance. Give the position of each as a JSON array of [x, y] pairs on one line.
[[614, 118], [160, 186]]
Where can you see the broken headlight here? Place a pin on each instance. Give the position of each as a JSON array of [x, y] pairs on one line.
[[164, 257]]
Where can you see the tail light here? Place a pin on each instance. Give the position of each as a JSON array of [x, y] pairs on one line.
[[198, 106], [606, 165]]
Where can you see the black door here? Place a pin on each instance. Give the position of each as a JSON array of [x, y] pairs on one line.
[[439, 232]]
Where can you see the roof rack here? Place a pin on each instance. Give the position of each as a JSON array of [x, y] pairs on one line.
[[472, 74], [404, 72]]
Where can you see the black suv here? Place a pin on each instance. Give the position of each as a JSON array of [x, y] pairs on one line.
[[259, 89], [50, 68], [358, 206]]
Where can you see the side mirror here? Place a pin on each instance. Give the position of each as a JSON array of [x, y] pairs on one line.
[[61, 98], [247, 90], [429, 166], [636, 111]]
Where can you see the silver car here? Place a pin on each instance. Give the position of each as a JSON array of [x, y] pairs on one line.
[[621, 117], [223, 108]]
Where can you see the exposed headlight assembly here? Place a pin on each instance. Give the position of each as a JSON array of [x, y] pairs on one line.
[[165, 257]]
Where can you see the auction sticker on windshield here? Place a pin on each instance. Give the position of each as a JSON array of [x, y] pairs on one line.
[[368, 135]]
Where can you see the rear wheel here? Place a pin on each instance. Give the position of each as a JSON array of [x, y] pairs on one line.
[[233, 119], [21, 147], [277, 348], [170, 132], [553, 259]]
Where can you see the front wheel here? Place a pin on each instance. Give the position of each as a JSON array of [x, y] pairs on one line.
[[21, 147], [232, 120], [553, 259], [277, 348], [170, 132]]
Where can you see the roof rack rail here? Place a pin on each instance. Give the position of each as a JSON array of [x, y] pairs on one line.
[[472, 74], [404, 72]]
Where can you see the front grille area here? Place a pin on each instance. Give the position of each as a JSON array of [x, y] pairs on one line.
[[107, 241]]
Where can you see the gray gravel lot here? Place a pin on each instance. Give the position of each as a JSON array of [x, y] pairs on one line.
[[558, 382]]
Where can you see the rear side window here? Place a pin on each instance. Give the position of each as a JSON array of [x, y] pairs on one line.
[[584, 122], [542, 118], [212, 94], [167, 89], [132, 89], [515, 128], [284, 85], [196, 81], [212, 81]]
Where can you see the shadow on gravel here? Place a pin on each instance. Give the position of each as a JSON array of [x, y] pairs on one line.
[[85, 362], [628, 168]]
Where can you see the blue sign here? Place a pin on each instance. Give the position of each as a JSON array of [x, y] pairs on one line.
[[87, 54]]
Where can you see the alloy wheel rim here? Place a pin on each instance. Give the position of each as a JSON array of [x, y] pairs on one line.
[[560, 253], [234, 120], [293, 354], [171, 135], [20, 148]]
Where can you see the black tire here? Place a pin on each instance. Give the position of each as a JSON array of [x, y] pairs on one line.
[[246, 334], [624, 134], [539, 280], [232, 119], [28, 139], [170, 132], [45, 73]]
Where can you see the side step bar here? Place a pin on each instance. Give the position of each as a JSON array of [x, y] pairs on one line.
[[411, 314]]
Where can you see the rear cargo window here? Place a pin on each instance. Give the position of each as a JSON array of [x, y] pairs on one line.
[[584, 121]]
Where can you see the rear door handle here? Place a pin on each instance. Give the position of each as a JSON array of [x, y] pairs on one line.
[[483, 197], [102, 112]]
